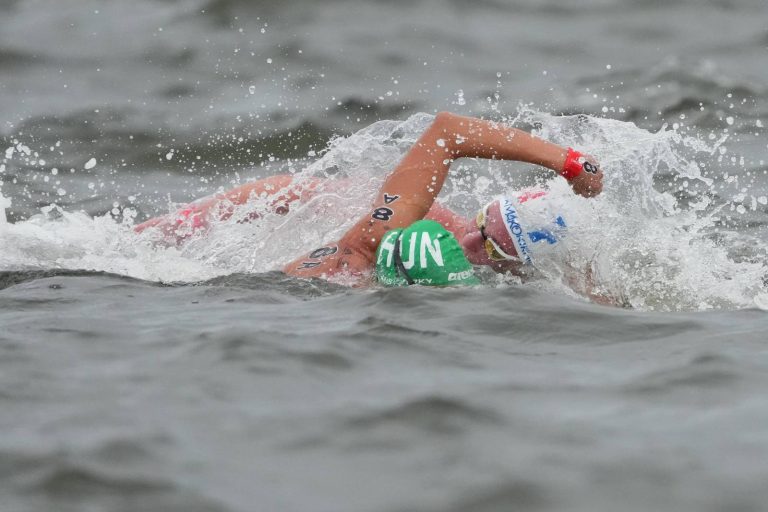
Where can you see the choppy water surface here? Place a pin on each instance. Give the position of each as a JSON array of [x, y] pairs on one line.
[[138, 377]]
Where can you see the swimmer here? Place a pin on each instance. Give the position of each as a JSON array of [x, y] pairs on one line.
[[407, 237]]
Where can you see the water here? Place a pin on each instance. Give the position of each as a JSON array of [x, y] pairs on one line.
[[138, 377]]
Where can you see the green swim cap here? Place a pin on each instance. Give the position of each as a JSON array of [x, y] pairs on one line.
[[423, 253]]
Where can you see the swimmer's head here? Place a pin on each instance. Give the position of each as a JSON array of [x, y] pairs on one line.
[[515, 230], [424, 253]]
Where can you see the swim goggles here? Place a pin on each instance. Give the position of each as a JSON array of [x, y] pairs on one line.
[[495, 252]]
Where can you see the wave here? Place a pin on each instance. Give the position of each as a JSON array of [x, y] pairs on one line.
[[688, 93]]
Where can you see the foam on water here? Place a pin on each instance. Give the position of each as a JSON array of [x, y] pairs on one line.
[[633, 245]]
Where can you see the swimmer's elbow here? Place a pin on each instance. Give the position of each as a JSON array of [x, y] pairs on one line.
[[445, 126], [444, 120]]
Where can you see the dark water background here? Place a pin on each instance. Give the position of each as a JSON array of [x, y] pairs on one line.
[[252, 391]]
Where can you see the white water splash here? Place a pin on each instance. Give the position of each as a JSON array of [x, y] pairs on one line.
[[62, 240], [633, 244]]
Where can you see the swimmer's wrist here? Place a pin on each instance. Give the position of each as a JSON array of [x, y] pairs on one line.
[[573, 165], [576, 163]]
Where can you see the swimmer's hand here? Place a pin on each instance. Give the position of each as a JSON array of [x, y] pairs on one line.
[[588, 183], [583, 173]]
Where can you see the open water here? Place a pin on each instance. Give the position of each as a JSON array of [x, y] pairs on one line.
[[138, 377]]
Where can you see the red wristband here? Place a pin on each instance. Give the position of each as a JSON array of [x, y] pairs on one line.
[[574, 164]]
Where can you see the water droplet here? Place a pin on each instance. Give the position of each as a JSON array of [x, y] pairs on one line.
[[460, 98]]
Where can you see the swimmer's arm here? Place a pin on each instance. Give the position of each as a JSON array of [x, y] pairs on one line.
[[477, 138], [267, 186], [220, 206], [279, 188]]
